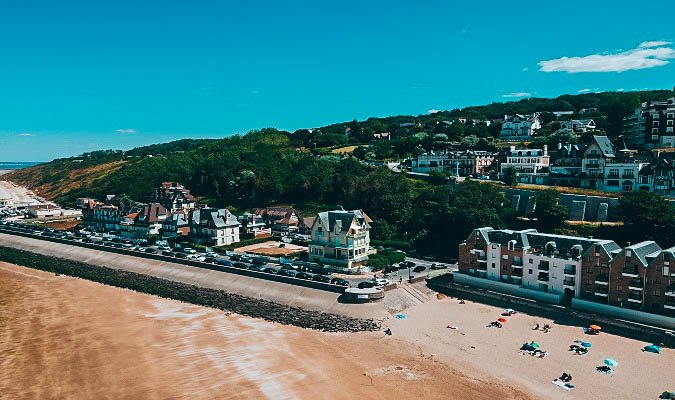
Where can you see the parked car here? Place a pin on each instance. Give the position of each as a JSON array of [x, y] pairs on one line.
[[163, 247], [240, 265], [188, 250], [242, 258], [339, 282], [438, 266], [287, 272], [180, 255], [303, 275], [270, 270], [321, 278], [168, 253], [150, 250], [224, 262], [380, 281], [366, 285], [87, 240], [287, 265], [419, 268], [259, 261]]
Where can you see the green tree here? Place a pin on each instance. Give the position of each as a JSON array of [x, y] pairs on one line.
[[562, 136], [510, 176], [550, 214], [647, 215]]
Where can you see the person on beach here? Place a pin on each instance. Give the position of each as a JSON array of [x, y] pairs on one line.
[[536, 327]]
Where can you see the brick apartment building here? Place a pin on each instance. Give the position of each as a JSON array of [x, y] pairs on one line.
[[636, 277]]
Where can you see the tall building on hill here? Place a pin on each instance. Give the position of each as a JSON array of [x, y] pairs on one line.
[[652, 125], [174, 197]]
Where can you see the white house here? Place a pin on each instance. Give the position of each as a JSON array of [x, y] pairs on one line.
[[579, 125], [214, 227], [602, 167], [531, 165], [340, 239], [519, 128]]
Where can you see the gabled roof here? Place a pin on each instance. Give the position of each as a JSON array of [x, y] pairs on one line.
[[213, 218], [342, 219], [605, 145], [643, 249]]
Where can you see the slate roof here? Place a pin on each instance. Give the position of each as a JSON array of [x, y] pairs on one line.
[[213, 218], [343, 219], [531, 239], [605, 145], [643, 249]]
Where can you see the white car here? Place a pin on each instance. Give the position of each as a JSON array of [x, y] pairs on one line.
[[188, 250], [211, 254], [381, 281]]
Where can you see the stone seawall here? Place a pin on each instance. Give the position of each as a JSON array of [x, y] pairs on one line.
[[257, 308]]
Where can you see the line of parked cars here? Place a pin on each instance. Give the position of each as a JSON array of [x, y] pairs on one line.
[[259, 264]]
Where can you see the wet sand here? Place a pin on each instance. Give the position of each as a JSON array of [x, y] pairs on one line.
[[62, 337]]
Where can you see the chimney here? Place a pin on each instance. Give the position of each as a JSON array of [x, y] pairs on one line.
[[545, 149]]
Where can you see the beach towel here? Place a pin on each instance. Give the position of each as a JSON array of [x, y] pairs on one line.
[[400, 316], [566, 386]]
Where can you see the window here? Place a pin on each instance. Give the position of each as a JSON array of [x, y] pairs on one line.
[[656, 293], [493, 265], [655, 130], [530, 261], [529, 271]]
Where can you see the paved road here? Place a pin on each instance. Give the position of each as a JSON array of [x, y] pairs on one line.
[[282, 293]]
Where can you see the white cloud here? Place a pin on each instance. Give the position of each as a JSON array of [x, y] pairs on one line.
[[25, 134], [433, 111], [620, 89], [586, 90], [129, 131], [525, 69], [517, 94], [654, 43], [255, 92], [647, 55]]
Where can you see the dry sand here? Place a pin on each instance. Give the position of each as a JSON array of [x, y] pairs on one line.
[[271, 248], [494, 351], [66, 338], [9, 190]]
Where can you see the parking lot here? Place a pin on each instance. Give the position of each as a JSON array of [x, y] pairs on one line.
[[259, 264]]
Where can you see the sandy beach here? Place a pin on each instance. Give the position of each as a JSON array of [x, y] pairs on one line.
[[479, 350], [9, 190], [62, 337]]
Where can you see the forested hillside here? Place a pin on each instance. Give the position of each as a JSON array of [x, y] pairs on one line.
[[270, 167]]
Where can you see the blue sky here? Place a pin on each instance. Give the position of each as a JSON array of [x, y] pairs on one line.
[[77, 76]]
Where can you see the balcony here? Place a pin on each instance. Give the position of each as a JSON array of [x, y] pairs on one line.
[[481, 266], [612, 176], [517, 273], [630, 272], [568, 283], [543, 266], [636, 284], [602, 280], [482, 257], [635, 299], [670, 291], [543, 278], [627, 176], [601, 292], [570, 271], [670, 305], [517, 263]]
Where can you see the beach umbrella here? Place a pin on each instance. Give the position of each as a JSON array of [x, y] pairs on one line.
[[652, 348], [534, 344], [586, 344], [502, 320], [399, 316], [610, 362], [596, 327], [509, 310]]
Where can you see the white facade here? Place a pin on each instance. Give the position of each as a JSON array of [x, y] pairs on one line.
[[531, 165], [519, 128]]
